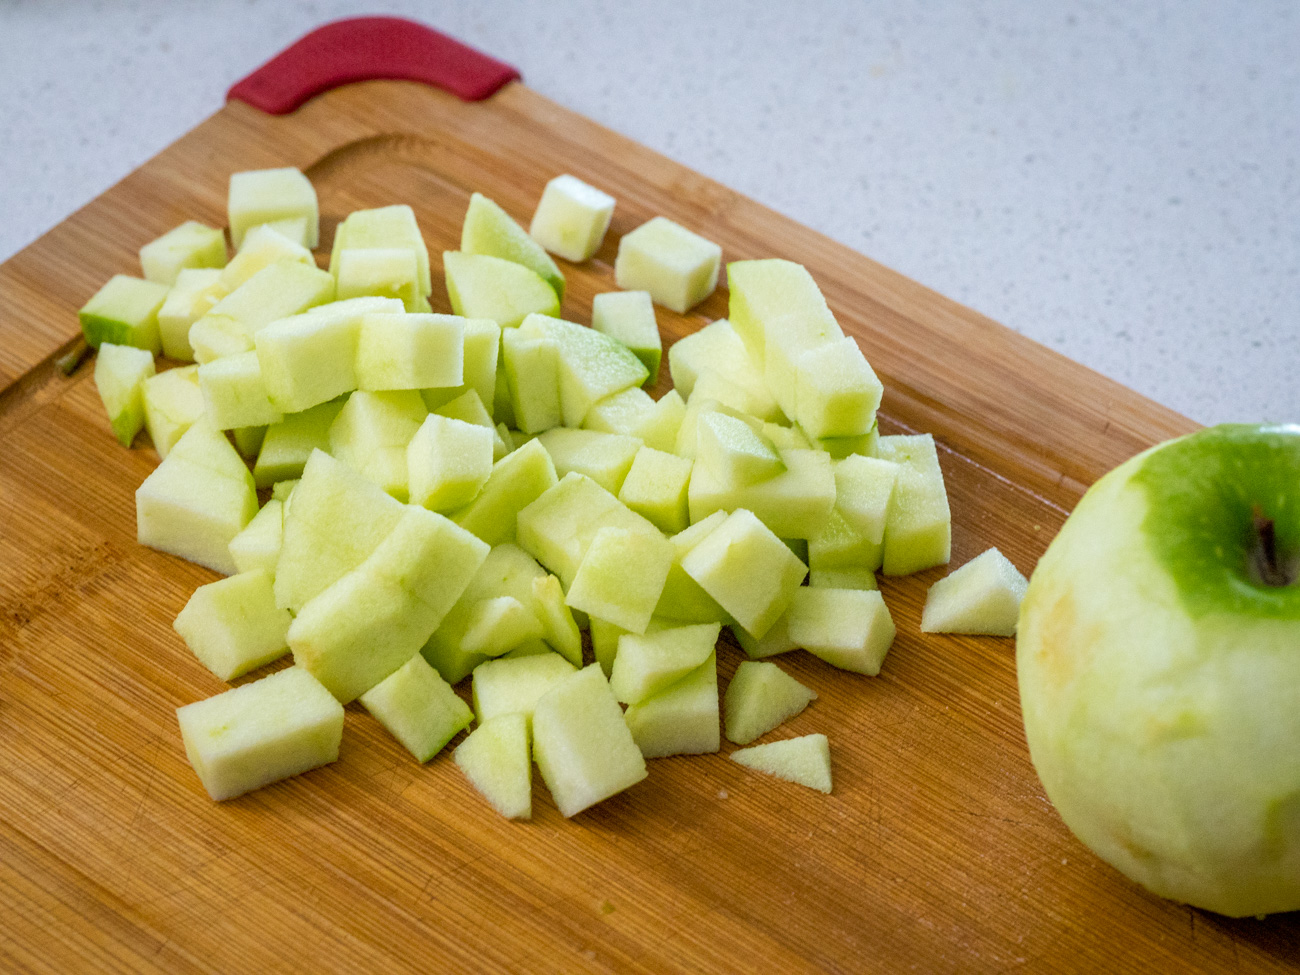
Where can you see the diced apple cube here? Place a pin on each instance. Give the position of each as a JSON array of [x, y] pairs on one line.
[[719, 350], [498, 625], [263, 195], [191, 245], [760, 697], [271, 729], [274, 292], [629, 316], [418, 707], [448, 461], [496, 760], [797, 503], [735, 453], [682, 719], [591, 365], [387, 272], [804, 761], [482, 343], [655, 488], [172, 403], [918, 528], [383, 227], [558, 625], [532, 372], [516, 685], [775, 641], [481, 286], [848, 628], [983, 596], [372, 432], [120, 374], [124, 312], [633, 413], [571, 218], [646, 665], [786, 438], [683, 599], [289, 443], [489, 230], [604, 457], [679, 268], [258, 545], [233, 625], [517, 480], [621, 576], [840, 546], [262, 248], [863, 487], [836, 391], [234, 394]]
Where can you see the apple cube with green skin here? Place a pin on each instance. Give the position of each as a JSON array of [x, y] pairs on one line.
[[717, 349], [274, 292], [418, 707], [918, 528], [631, 412], [678, 267], [448, 461], [606, 458], [655, 488], [120, 374], [516, 481], [983, 596], [124, 312], [495, 758], [797, 503], [289, 443], [591, 365], [775, 641], [251, 736], [489, 230], [571, 218], [804, 761], [234, 394], [629, 317], [172, 403], [650, 663], [262, 195], [760, 697], [582, 745], [482, 286], [387, 272], [258, 545], [509, 686], [481, 347], [836, 391], [233, 625], [683, 599], [372, 432], [734, 452], [863, 488], [681, 719], [848, 628], [191, 245], [852, 578], [531, 366], [383, 227], [840, 546], [263, 247], [621, 576], [193, 295]]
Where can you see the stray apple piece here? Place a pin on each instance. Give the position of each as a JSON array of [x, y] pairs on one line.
[[448, 461], [848, 628], [863, 488], [193, 295], [289, 443], [621, 576], [633, 413], [264, 195], [559, 628], [418, 707], [591, 364], [516, 481], [646, 665], [234, 394], [606, 458], [679, 268], [804, 761], [191, 245], [124, 312], [172, 402], [983, 596], [655, 488], [918, 528], [482, 286], [836, 390], [372, 432], [571, 218], [858, 578], [383, 227], [516, 685], [582, 745], [387, 272], [496, 759], [531, 366], [775, 641], [120, 374], [233, 625], [490, 230], [258, 545], [629, 316], [682, 719], [735, 453], [760, 697], [271, 729]]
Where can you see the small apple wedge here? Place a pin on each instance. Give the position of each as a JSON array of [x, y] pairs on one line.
[[489, 230], [495, 758], [760, 697], [646, 665], [804, 761], [983, 596]]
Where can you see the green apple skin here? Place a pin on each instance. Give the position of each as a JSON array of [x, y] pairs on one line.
[[1160, 681]]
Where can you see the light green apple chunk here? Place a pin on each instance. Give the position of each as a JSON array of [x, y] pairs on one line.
[[495, 758], [480, 350], [650, 663], [120, 374], [509, 686], [718, 349], [418, 707], [842, 447], [248, 440], [559, 628], [836, 390], [448, 461], [191, 245], [410, 351], [848, 628], [271, 729], [233, 625], [234, 393], [655, 488], [983, 596], [604, 643], [631, 412], [262, 247], [383, 227], [803, 761], [863, 488], [195, 293], [683, 599], [736, 454], [571, 218], [918, 528], [489, 230], [289, 443], [775, 641], [258, 545], [840, 546], [629, 317], [678, 267], [621, 576], [532, 372], [282, 491], [275, 292], [372, 432], [786, 438], [124, 312], [760, 697], [604, 457], [747, 569], [498, 625], [172, 403], [682, 719], [591, 365], [385, 272], [516, 481], [582, 745], [214, 337], [482, 286], [259, 196], [797, 503]]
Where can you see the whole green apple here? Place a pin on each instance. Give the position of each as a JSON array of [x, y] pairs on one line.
[[1159, 666]]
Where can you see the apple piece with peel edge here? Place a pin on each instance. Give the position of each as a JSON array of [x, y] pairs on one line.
[[1158, 655]]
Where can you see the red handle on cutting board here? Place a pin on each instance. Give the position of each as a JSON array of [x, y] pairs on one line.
[[365, 49]]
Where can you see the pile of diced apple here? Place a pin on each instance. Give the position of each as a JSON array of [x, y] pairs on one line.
[[461, 496]]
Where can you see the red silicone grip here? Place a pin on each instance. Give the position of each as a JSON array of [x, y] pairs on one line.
[[368, 48]]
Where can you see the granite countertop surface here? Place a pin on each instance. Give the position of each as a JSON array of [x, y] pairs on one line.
[[1117, 181]]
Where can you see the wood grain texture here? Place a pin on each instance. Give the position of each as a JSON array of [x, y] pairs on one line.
[[937, 851]]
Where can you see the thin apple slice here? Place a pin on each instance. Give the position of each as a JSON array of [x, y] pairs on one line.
[[804, 761]]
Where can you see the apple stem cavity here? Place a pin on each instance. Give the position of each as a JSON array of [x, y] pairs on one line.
[[1265, 564]]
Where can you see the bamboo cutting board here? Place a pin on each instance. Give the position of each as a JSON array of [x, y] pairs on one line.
[[937, 852]]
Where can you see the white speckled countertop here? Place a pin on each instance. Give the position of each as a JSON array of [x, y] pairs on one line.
[[1118, 181]]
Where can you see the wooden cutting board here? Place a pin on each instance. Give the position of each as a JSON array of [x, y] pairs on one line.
[[937, 852]]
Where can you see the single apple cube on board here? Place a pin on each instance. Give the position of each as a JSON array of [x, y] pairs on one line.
[[983, 596], [289, 443], [383, 227], [173, 401], [233, 625], [124, 312], [655, 488], [604, 457], [418, 707], [516, 685], [718, 349], [734, 452], [191, 245], [120, 374], [491, 231], [571, 218], [481, 347], [447, 461], [559, 628], [262, 195], [683, 599], [848, 628], [279, 726], [622, 576], [804, 761], [517, 480], [918, 528], [388, 272], [263, 247], [258, 545], [840, 546], [582, 745], [234, 394], [482, 286], [193, 295], [681, 719], [497, 625], [496, 759], [646, 665], [747, 569], [372, 432], [679, 268], [760, 697], [852, 578], [592, 365], [397, 351], [531, 366], [629, 317], [775, 641], [863, 487]]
